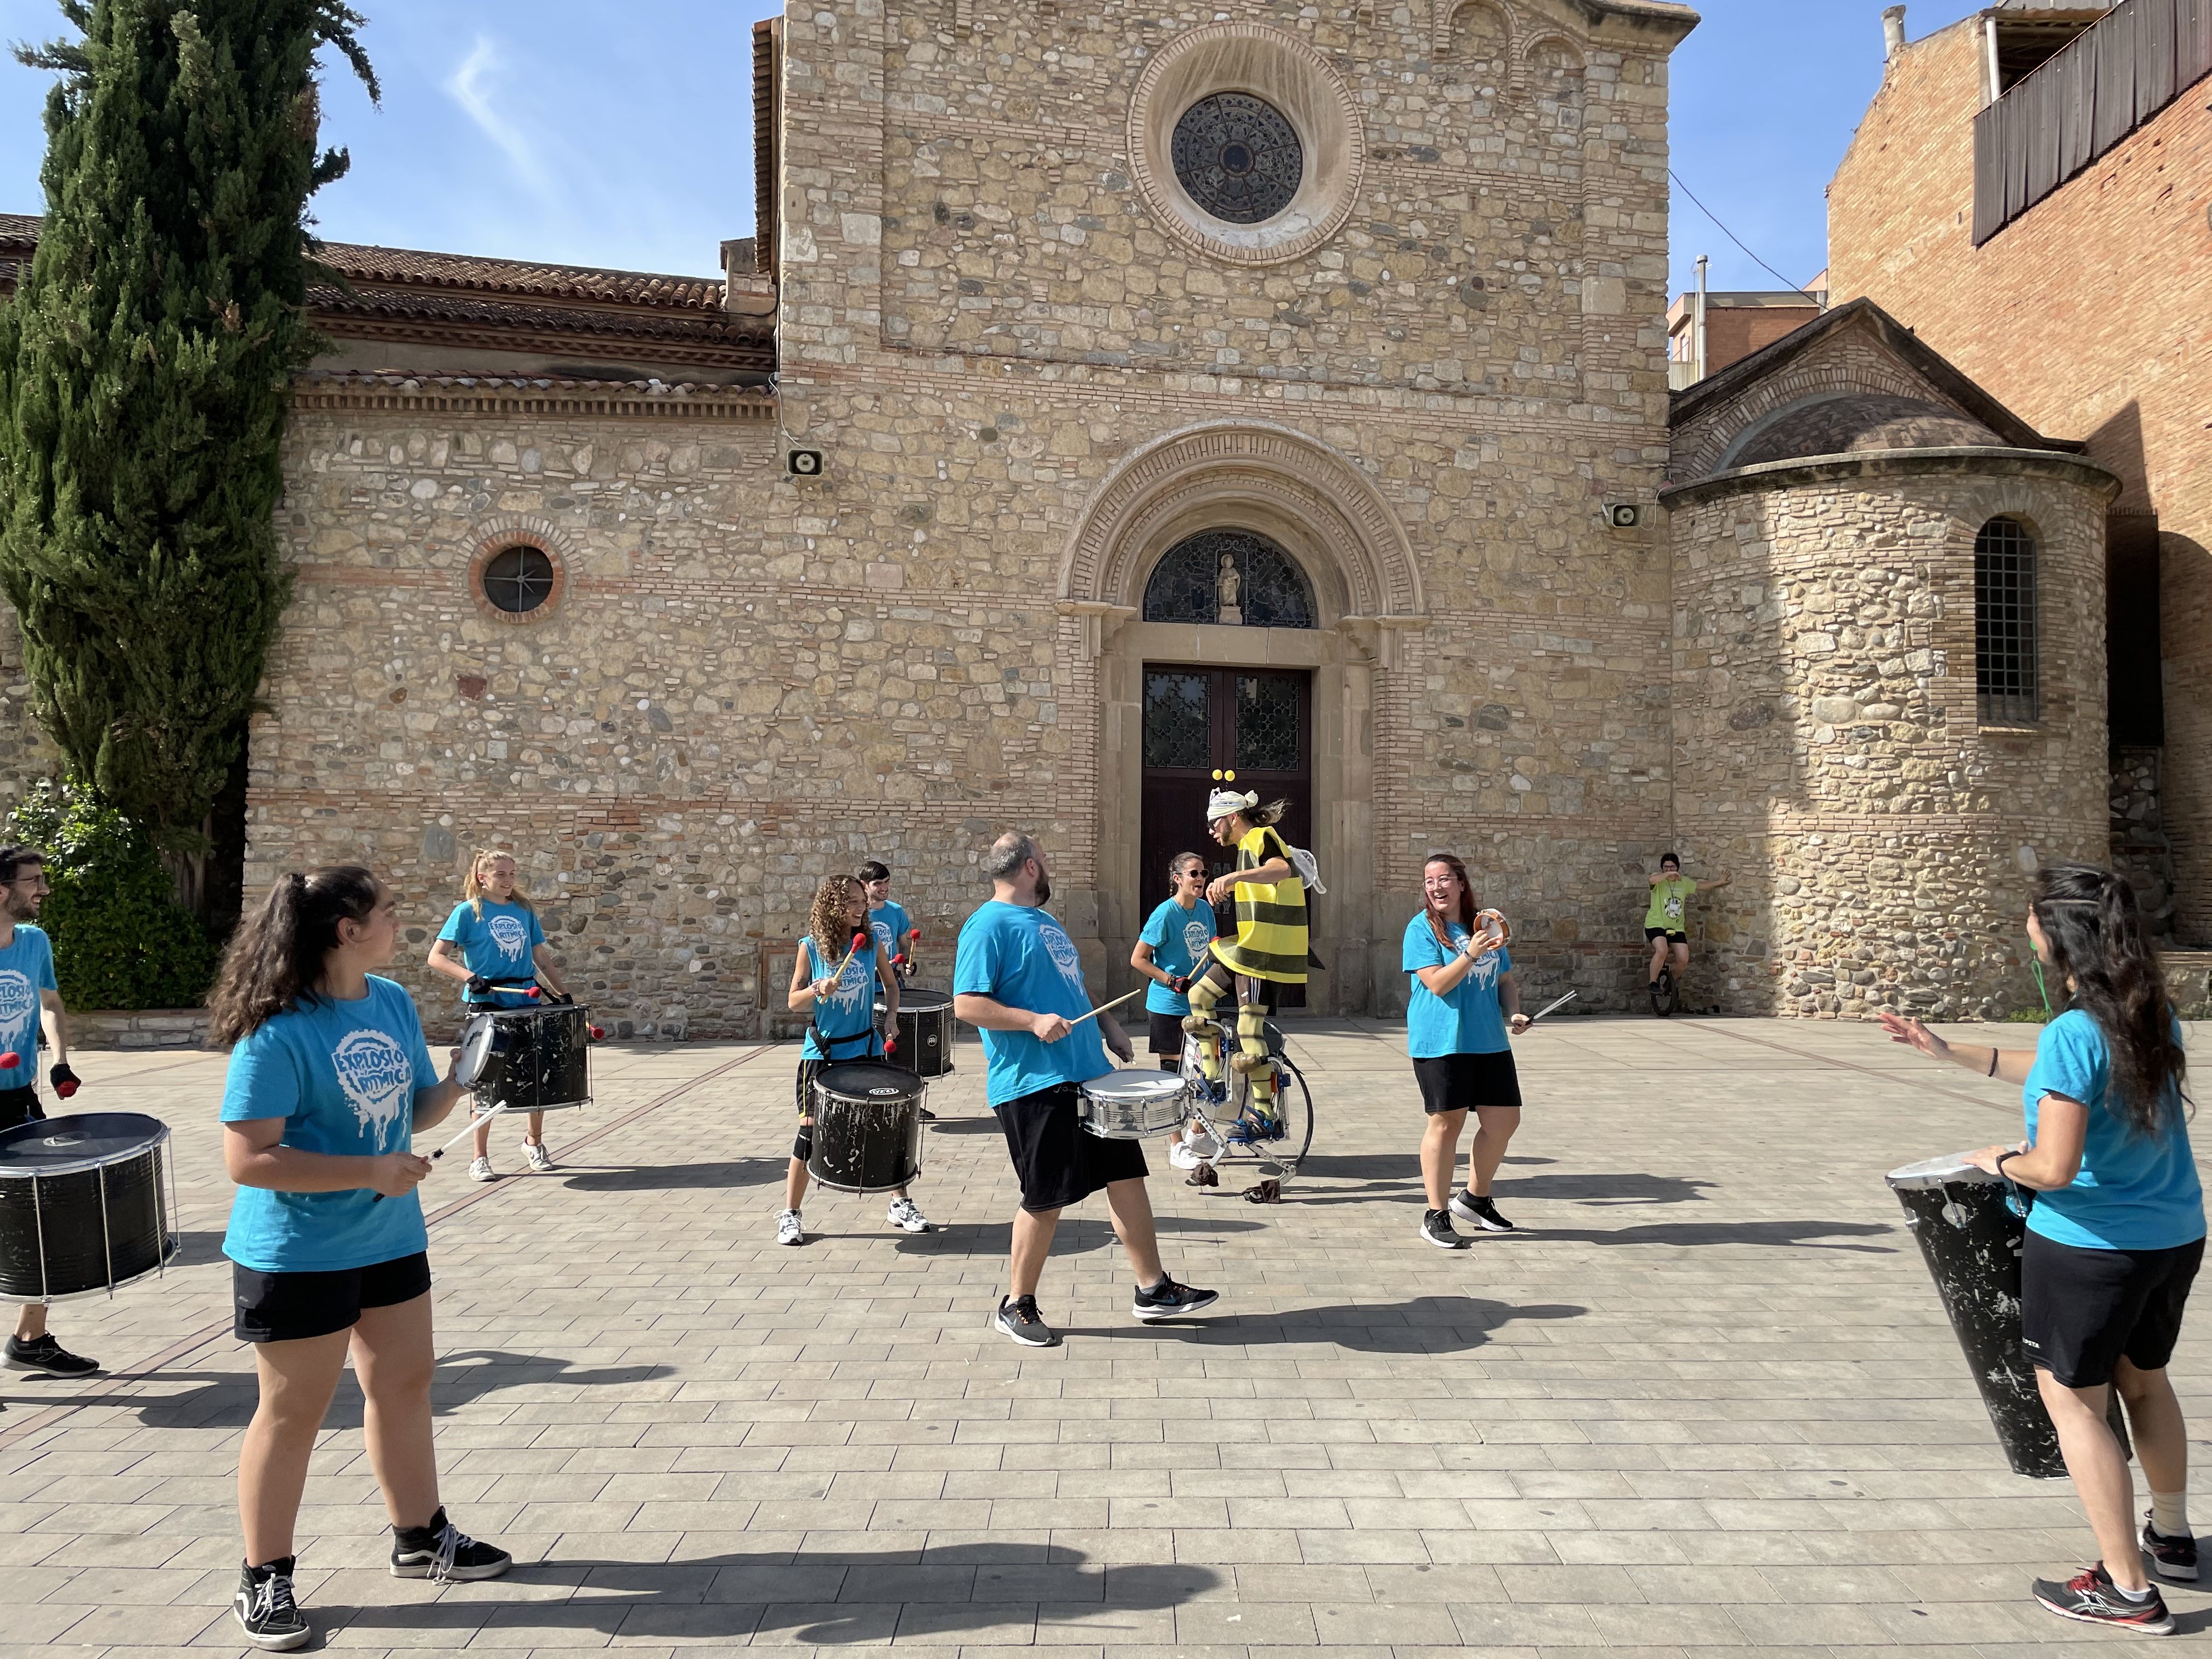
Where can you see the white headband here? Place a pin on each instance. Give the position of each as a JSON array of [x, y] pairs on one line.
[[1225, 803]]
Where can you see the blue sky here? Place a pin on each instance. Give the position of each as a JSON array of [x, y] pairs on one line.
[[620, 133]]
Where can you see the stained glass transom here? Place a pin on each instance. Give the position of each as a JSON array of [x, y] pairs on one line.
[[1176, 726], [1266, 723], [1272, 592], [1238, 157]]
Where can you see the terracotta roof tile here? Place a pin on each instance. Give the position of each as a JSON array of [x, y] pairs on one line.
[[415, 267]]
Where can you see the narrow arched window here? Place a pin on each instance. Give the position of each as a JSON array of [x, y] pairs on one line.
[[2004, 623]]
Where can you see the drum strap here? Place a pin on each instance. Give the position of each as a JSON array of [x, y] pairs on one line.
[[828, 1044]]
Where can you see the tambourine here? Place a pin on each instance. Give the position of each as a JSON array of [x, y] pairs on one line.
[[1490, 928]]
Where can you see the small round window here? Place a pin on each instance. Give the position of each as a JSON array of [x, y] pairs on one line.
[[519, 580], [1238, 157]]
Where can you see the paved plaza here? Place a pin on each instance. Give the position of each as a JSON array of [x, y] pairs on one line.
[[1706, 1398]]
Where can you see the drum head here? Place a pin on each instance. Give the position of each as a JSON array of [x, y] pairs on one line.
[[49, 1146], [1938, 1172], [1135, 1084], [479, 1042], [920, 1000], [867, 1079]]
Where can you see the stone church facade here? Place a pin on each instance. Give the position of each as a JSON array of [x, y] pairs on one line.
[[909, 528]]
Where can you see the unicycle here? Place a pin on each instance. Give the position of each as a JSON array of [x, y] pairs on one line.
[[1665, 994]]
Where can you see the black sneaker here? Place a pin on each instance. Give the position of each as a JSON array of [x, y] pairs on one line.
[[1658, 1000], [2170, 1558], [2091, 1596], [1169, 1300], [264, 1607], [1437, 1228], [1018, 1316], [1480, 1213], [43, 1356], [443, 1552]]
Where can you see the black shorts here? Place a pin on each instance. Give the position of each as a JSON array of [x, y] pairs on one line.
[[1167, 1034], [1672, 936], [288, 1307], [2081, 1311], [1458, 1083], [19, 1107], [1056, 1160]]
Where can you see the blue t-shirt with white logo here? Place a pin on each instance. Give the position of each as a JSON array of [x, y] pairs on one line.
[[1017, 955], [2133, 1191], [890, 924], [343, 1077], [849, 1009], [499, 945], [1469, 1020], [27, 968], [1179, 938]]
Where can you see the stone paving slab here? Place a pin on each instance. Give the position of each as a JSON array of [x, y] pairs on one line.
[[1706, 1399]]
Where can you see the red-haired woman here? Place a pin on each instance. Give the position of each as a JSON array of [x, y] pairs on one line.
[[1462, 1001]]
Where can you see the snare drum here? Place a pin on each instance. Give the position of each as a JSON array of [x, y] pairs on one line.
[[925, 1031], [85, 1205], [867, 1125], [1133, 1104], [529, 1059]]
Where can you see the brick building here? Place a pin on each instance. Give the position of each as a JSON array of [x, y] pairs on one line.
[[1069, 311], [2029, 192]]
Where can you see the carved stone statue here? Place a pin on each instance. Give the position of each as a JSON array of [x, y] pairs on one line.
[[1226, 587]]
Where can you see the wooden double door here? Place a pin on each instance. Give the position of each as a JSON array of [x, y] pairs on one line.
[[1201, 725]]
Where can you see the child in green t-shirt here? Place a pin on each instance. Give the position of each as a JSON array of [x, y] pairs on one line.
[[1664, 920]]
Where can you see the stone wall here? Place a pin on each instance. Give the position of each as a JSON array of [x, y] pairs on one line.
[[2081, 343], [2140, 849], [1829, 752]]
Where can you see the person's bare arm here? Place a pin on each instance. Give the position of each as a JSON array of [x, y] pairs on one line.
[[887, 976], [1117, 1040], [443, 961], [55, 1018], [986, 1015], [2054, 1159], [1509, 1002], [805, 993], [549, 975], [1709, 883], [253, 1154], [2012, 1065], [1444, 979], [1141, 960]]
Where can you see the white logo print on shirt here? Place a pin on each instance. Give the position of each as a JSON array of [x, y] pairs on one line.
[[1484, 973], [510, 935], [1196, 936], [376, 1078], [1061, 950], [852, 981], [19, 1006]]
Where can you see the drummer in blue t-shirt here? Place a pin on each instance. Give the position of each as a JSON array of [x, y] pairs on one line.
[[329, 1078], [1176, 937], [841, 965], [1018, 979], [887, 918], [501, 943]]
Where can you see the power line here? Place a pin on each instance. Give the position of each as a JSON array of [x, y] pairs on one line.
[[1737, 239]]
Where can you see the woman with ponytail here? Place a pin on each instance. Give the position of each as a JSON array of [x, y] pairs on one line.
[[2115, 1234], [329, 1077]]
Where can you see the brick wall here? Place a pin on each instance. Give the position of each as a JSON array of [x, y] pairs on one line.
[[2090, 317]]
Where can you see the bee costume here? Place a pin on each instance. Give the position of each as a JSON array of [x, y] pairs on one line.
[[1270, 944]]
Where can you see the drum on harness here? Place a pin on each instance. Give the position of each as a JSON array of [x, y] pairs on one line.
[[867, 1125], [528, 1059]]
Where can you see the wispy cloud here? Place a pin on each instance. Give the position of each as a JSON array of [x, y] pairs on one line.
[[471, 87]]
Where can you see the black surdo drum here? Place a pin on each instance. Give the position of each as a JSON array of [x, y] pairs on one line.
[[528, 1059], [84, 1205], [925, 1031], [867, 1127]]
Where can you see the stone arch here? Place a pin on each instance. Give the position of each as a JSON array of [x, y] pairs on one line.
[[1476, 32], [1550, 72], [1322, 507]]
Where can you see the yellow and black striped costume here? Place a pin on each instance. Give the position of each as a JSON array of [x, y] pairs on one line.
[[1271, 917]]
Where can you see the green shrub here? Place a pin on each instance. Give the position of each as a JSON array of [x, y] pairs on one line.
[[121, 940]]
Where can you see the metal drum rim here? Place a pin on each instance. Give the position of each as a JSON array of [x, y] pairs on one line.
[[172, 1247], [1930, 1173], [47, 1169]]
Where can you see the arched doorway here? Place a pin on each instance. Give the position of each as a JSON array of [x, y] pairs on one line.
[[1282, 666]]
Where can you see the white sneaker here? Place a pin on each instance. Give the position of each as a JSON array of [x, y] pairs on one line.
[[481, 1170], [1184, 1156], [1202, 1145], [541, 1161], [905, 1215], [789, 1229]]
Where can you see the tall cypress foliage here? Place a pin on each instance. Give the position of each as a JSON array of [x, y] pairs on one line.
[[145, 365]]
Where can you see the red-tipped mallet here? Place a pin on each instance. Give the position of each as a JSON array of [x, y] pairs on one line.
[[10, 1061], [599, 1034]]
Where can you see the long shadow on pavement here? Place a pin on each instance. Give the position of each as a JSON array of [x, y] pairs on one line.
[[678, 1178], [913, 1596], [1425, 1324]]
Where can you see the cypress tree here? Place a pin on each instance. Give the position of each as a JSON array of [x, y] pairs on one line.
[[145, 370]]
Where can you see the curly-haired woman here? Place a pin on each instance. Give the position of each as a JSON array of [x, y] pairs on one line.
[[2115, 1235]]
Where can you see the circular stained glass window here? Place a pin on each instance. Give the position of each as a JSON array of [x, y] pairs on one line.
[[1238, 157], [518, 579]]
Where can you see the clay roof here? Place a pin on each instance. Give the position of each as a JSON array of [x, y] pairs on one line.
[[472, 300], [1851, 422]]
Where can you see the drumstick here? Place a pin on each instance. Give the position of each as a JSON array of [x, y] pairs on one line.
[[441, 1152], [1103, 1007], [1552, 1007]]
